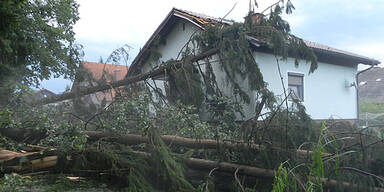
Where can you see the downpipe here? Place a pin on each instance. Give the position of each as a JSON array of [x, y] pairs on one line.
[[357, 92]]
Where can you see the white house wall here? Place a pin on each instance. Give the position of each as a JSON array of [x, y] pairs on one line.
[[327, 91]]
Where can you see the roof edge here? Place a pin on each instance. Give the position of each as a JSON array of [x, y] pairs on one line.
[[149, 42]]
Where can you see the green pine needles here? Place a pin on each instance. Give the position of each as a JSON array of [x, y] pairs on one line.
[[169, 173]]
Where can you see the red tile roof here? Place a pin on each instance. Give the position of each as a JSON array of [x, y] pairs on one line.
[[97, 70], [109, 72]]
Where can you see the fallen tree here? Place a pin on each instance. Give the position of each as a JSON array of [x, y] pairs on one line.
[[49, 159], [133, 139]]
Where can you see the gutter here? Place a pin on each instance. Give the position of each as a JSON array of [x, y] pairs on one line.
[[357, 91]]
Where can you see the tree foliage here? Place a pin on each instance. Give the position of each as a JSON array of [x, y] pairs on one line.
[[37, 41]]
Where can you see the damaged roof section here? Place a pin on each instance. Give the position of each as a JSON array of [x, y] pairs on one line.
[[324, 53], [199, 19]]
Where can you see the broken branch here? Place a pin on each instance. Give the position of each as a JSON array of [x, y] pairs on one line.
[[126, 81]]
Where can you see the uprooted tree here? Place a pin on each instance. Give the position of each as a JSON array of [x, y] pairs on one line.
[[146, 141]]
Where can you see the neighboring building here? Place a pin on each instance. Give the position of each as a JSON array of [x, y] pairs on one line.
[[96, 74], [42, 93], [371, 85], [36, 95], [326, 93]]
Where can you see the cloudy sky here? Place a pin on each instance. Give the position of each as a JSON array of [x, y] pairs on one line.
[[352, 25]]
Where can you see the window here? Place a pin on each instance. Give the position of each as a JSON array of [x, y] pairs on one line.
[[296, 86]]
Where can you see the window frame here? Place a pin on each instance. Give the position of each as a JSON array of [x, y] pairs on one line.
[[299, 87]]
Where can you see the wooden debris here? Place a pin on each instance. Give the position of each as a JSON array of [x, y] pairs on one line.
[[36, 164], [6, 155], [28, 162]]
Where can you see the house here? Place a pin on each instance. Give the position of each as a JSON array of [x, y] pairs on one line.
[[36, 95], [42, 93], [329, 92], [93, 74]]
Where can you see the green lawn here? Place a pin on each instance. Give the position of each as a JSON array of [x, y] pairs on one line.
[[371, 107]]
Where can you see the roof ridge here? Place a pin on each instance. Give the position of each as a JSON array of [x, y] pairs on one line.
[[205, 16], [329, 48], [105, 63]]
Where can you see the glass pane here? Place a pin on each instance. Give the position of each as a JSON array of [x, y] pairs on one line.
[[295, 80], [294, 92]]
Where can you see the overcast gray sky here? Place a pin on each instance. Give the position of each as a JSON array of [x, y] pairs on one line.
[[352, 25]]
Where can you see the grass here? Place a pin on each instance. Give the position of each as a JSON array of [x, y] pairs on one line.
[[47, 183], [371, 107]]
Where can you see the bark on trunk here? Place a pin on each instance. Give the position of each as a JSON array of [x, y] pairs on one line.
[[203, 164], [132, 139]]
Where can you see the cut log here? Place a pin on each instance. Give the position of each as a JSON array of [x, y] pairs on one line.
[[29, 162], [34, 165], [132, 139], [6, 155]]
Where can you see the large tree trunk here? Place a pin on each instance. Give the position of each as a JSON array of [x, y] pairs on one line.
[[132, 139], [203, 164]]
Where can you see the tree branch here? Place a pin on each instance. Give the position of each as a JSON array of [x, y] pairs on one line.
[[126, 81]]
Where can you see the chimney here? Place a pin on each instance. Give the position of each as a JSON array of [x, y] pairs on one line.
[[256, 18]]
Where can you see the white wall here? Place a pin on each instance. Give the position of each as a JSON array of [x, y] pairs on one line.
[[325, 92], [175, 41]]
